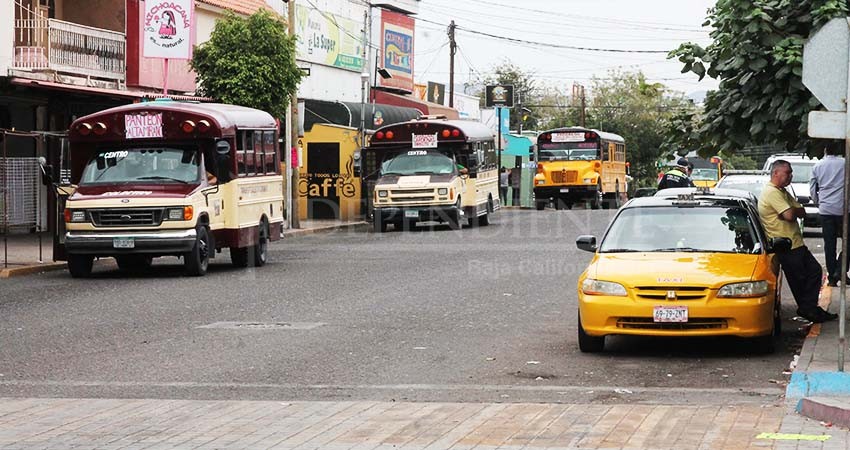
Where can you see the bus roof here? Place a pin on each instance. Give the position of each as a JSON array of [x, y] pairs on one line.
[[227, 116], [474, 131], [602, 134]]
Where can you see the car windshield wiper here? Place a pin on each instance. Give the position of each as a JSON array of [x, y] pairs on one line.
[[158, 177], [677, 249], [621, 250]]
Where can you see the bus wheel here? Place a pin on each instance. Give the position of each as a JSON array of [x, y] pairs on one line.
[[129, 263], [540, 205], [485, 219], [261, 249], [379, 225], [197, 261], [454, 218], [80, 265]]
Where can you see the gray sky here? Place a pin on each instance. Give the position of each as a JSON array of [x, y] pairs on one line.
[[649, 25]]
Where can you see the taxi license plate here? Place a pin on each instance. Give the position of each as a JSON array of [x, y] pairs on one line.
[[411, 214], [670, 314], [123, 243], [565, 189]]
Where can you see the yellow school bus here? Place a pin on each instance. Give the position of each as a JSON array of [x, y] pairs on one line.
[[578, 164], [169, 178], [431, 169]]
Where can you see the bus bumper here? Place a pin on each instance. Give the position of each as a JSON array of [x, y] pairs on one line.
[[418, 213], [96, 243], [567, 193]]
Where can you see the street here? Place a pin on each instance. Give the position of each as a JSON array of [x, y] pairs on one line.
[[479, 315]]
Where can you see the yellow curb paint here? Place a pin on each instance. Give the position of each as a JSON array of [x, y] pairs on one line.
[[794, 437]]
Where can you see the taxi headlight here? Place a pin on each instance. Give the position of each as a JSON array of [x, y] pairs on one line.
[[443, 191], [748, 289], [597, 287], [382, 194]]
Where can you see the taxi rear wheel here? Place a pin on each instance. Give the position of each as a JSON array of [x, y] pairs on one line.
[[587, 343]]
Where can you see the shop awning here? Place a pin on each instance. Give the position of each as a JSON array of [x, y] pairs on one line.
[[409, 101], [114, 93], [516, 145], [348, 114]]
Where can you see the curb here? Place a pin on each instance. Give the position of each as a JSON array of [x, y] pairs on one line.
[[326, 229], [825, 409], [31, 269]]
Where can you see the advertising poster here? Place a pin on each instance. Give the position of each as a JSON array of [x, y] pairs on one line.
[[328, 39], [397, 50], [167, 29]]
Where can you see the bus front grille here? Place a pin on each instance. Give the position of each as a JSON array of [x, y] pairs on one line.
[[564, 176], [126, 217]]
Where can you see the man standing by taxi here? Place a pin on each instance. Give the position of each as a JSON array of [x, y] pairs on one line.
[[676, 177], [779, 212], [827, 190]]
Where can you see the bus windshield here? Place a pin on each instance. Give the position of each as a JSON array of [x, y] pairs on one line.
[[418, 162], [704, 175], [568, 155], [149, 165]]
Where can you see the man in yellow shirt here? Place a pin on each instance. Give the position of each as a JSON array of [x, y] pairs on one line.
[[779, 212]]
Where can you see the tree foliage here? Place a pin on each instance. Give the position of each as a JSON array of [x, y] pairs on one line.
[[250, 62], [757, 55]]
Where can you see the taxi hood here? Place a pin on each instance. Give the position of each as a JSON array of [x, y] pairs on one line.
[[670, 269]]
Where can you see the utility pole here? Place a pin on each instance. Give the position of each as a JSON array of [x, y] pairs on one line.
[[293, 136], [583, 106], [452, 51]]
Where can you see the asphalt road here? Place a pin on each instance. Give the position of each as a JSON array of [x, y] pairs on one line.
[[482, 314]]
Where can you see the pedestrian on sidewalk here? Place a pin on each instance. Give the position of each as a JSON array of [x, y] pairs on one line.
[[504, 182], [826, 188], [779, 211]]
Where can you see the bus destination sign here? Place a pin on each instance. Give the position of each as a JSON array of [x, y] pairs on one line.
[[425, 140], [143, 126], [568, 137]]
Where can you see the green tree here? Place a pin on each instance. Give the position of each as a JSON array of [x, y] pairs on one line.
[[250, 62], [757, 56], [626, 104]]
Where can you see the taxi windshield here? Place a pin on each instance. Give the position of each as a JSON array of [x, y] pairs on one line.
[[713, 229], [149, 165], [418, 162]]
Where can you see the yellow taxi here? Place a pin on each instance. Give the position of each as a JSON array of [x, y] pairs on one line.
[[682, 263]]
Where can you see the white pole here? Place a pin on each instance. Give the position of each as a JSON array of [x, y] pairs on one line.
[[842, 307], [287, 152]]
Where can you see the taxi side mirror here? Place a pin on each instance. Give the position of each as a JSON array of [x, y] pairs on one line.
[[778, 245], [586, 242]]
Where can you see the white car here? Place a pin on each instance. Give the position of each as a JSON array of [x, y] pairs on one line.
[[802, 166]]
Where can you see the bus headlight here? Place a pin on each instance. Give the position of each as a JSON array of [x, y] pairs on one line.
[[589, 181], [75, 215], [180, 213], [443, 191], [383, 194]]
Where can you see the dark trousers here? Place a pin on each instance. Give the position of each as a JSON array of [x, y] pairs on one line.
[[831, 228], [503, 194], [804, 274]]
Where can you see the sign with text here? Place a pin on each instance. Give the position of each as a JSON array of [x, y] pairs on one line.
[[167, 29], [397, 50], [138, 126], [425, 140], [328, 39]]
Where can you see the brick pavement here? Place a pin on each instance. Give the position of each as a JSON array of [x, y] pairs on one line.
[[158, 424]]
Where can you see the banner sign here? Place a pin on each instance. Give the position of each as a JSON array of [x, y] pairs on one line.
[[328, 39], [167, 29], [397, 50], [143, 126]]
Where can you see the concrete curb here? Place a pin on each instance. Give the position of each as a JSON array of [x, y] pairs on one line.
[[826, 409], [31, 269], [324, 229]]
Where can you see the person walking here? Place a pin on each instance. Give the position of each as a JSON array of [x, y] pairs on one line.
[[504, 182], [826, 188], [778, 212], [676, 177]]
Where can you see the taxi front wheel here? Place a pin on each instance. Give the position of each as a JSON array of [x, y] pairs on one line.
[[587, 343]]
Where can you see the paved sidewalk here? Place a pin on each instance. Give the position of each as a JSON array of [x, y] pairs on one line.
[[19, 253], [161, 424]]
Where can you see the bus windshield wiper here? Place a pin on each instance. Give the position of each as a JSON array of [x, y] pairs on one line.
[[158, 177]]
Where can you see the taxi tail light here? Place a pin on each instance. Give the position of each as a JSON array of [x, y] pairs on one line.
[[99, 128], [203, 126], [188, 212], [84, 129], [187, 126]]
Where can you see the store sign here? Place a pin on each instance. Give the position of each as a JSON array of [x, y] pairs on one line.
[[397, 50], [143, 126], [167, 29], [328, 39]]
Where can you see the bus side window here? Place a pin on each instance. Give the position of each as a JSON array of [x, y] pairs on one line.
[[259, 150], [269, 153], [605, 154], [240, 153]]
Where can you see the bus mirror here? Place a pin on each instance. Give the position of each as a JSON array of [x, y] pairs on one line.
[[222, 149]]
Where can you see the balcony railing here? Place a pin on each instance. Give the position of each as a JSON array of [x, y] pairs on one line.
[[50, 44]]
